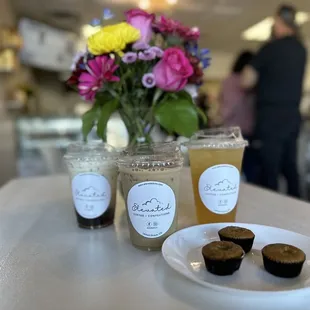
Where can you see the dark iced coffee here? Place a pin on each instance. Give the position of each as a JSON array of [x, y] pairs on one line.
[[93, 172]]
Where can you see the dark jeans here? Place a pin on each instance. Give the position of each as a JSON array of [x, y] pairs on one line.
[[278, 155]]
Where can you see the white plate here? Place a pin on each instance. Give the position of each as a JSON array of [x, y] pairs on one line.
[[182, 251]]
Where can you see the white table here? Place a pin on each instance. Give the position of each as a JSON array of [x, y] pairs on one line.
[[47, 262]]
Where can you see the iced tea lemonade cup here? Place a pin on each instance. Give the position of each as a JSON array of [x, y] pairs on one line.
[[93, 173], [216, 158], [150, 176]]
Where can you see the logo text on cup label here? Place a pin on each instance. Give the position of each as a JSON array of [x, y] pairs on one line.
[[151, 208], [219, 188], [91, 194]]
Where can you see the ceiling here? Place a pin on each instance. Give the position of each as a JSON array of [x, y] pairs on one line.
[[221, 21]]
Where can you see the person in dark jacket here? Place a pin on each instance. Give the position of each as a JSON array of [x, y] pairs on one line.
[[277, 72]]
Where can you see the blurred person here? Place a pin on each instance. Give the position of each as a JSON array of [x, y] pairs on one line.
[[237, 109], [277, 71]]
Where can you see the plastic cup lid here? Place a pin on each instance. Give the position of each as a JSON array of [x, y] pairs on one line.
[[162, 154], [95, 148], [230, 137]]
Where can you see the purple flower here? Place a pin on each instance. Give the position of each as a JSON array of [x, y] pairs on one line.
[[129, 57], [140, 46], [95, 22], [107, 14], [147, 55], [157, 50], [148, 80]]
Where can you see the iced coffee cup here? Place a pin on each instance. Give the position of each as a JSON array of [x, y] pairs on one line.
[[150, 176], [93, 173], [215, 159]]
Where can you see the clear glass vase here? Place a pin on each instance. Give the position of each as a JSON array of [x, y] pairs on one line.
[[139, 122]]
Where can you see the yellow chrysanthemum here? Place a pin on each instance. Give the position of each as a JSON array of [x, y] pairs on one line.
[[112, 38]]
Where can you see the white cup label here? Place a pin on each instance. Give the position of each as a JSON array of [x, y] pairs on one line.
[[219, 188], [91, 194], [151, 208]]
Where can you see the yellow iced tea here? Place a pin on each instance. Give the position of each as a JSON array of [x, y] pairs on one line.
[[221, 184]]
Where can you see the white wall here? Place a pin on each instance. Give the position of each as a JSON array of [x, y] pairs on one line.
[[220, 65]]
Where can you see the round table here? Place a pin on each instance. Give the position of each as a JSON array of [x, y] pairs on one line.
[[47, 262]]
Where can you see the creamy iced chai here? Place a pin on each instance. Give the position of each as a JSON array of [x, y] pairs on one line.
[[93, 175], [150, 183]]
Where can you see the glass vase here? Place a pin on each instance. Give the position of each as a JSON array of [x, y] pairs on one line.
[[139, 122]]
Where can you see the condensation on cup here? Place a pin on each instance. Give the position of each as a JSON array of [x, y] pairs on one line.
[[93, 174]]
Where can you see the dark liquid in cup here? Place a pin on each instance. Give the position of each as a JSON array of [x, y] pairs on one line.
[[93, 175], [105, 219], [94, 194]]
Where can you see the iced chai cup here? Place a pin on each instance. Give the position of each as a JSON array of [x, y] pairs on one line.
[[216, 159], [93, 172], [150, 175]]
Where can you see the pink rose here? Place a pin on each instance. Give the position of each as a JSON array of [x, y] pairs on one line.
[[173, 70], [142, 21]]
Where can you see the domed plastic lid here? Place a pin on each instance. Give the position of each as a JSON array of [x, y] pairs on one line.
[[162, 154], [95, 148], [230, 137]]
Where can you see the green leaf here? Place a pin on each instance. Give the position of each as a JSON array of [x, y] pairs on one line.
[[157, 95], [202, 115], [88, 121], [102, 98], [178, 115], [106, 111]]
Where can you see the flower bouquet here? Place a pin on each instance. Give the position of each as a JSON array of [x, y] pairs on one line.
[[141, 68]]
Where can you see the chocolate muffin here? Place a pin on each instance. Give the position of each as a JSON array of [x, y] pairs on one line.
[[222, 257], [238, 235], [283, 260]]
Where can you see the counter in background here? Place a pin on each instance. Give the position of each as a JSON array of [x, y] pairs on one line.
[[41, 143], [7, 150]]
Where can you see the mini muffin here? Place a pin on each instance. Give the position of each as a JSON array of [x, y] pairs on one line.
[[238, 235], [283, 260], [222, 257]]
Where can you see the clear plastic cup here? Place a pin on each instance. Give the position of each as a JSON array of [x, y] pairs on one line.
[[93, 171], [150, 176], [215, 159]]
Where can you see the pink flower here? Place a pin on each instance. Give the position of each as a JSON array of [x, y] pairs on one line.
[[99, 71], [167, 25], [191, 34], [173, 70], [142, 21]]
